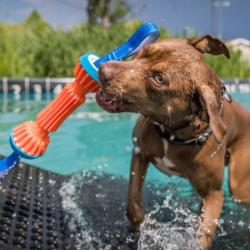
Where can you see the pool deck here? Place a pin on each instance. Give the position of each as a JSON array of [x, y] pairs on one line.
[[32, 215]]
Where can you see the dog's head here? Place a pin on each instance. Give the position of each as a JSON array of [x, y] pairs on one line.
[[167, 81]]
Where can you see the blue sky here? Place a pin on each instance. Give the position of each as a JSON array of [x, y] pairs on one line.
[[173, 14]]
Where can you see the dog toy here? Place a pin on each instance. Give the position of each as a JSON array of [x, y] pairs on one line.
[[30, 139]]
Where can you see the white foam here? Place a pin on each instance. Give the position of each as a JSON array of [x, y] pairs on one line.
[[68, 192], [178, 233], [171, 235]]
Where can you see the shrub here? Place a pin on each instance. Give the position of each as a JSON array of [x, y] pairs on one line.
[[33, 48]]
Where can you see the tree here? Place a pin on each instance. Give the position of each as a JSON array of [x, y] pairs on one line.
[[35, 22], [92, 11], [106, 12]]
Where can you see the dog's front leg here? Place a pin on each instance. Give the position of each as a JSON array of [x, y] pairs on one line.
[[135, 210], [212, 204]]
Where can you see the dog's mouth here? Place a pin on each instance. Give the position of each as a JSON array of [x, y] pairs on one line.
[[111, 103]]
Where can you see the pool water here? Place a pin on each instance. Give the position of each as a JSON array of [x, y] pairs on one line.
[[90, 139], [95, 142]]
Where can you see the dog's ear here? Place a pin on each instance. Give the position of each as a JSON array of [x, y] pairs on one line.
[[208, 44], [212, 106]]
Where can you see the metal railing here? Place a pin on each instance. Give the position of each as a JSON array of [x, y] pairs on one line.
[[33, 90], [55, 85], [35, 85]]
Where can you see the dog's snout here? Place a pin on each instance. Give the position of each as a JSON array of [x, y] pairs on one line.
[[105, 74]]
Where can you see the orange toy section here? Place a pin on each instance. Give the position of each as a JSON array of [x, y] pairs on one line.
[[33, 136], [71, 97]]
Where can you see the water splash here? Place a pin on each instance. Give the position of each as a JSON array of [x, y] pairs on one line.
[[70, 191], [97, 204], [7, 163], [178, 233], [85, 235]]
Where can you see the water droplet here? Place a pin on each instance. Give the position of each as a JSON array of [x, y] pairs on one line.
[[137, 150]]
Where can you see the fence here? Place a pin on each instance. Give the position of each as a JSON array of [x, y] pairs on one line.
[[32, 90], [55, 85], [35, 85]]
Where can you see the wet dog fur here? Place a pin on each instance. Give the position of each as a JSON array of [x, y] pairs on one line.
[[171, 85]]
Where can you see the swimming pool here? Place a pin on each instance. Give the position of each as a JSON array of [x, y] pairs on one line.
[[90, 139], [93, 141]]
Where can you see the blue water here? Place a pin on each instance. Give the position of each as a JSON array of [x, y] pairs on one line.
[[91, 140]]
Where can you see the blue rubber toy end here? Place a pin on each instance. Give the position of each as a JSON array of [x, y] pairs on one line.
[[143, 36], [8, 163], [19, 151], [87, 62]]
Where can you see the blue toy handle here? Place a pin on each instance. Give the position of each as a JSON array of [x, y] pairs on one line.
[[146, 34], [8, 162]]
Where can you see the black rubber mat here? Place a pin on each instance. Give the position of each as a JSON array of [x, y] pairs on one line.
[[31, 214]]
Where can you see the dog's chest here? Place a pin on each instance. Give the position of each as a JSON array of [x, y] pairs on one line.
[[164, 164]]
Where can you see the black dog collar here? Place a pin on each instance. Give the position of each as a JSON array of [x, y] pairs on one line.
[[198, 140], [174, 140]]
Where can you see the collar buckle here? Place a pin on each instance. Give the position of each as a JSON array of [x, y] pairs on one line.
[[172, 139], [227, 94]]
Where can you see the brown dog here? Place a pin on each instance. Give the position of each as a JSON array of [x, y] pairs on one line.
[[187, 127]]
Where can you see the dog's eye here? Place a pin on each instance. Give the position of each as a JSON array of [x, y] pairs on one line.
[[159, 78]]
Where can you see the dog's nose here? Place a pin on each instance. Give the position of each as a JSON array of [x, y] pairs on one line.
[[105, 74]]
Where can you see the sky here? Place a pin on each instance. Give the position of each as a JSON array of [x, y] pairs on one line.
[[229, 22]]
